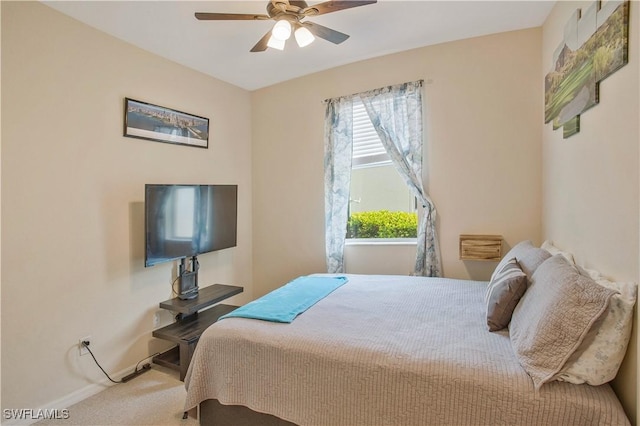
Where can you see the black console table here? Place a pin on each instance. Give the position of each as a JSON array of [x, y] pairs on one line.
[[190, 323]]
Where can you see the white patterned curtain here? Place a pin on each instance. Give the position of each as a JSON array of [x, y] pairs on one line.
[[338, 134], [396, 114]]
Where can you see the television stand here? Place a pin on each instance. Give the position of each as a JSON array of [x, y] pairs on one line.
[[192, 319]]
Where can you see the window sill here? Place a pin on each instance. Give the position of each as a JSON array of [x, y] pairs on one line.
[[381, 242]]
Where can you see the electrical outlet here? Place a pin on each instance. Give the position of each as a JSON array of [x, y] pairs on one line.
[[83, 350]]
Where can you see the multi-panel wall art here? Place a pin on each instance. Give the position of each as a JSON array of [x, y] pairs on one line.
[[595, 45]]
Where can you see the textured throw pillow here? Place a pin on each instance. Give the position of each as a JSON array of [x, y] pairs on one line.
[[503, 294], [554, 316], [597, 359], [515, 252], [529, 257]]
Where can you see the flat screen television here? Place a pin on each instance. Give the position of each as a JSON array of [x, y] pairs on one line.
[[184, 221]]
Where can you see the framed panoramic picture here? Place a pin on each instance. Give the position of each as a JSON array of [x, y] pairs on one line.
[[146, 121]]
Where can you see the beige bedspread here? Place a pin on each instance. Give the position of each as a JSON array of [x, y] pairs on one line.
[[386, 350]]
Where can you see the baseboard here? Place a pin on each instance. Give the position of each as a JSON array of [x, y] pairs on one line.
[[68, 400]]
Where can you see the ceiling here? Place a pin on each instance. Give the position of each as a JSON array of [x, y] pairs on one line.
[[221, 48]]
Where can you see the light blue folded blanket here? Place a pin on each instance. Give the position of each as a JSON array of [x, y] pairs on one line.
[[287, 302]]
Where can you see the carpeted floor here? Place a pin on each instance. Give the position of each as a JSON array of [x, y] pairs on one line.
[[154, 398]]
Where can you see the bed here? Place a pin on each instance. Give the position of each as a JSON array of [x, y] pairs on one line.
[[383, 350]]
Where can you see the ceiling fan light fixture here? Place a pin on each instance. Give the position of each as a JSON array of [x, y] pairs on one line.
[[303, 36], [275, 43], [288, 16], [281, 30]]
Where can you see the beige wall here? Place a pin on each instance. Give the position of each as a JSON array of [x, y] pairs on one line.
[[591, 181], [482, 154], [73, 190], [72, 185]]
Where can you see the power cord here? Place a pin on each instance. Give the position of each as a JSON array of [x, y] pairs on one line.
[[173, 284], [126, 378], [144, 359]]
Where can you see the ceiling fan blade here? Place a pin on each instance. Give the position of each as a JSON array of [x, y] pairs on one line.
[[261, 46], [204, 16], [334, 6], [300, 4], [328, 34]]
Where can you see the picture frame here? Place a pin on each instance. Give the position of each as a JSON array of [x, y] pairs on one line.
[[143, 120]]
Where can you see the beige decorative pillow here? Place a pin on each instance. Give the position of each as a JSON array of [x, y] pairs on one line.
[[503, 294], [554, 316], [529, 257], [516, 251]]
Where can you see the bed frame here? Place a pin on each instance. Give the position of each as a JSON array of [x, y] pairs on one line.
[[214, 413]]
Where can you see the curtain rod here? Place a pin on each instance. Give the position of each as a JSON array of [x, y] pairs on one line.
[[421, 81]]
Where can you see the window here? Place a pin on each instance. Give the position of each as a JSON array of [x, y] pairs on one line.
[[381, 204], [397, 112]]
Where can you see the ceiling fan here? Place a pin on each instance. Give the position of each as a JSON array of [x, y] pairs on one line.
[[289, 16]]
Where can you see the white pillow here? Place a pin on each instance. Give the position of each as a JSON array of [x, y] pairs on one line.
[[597, 359], [553, 250]]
